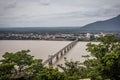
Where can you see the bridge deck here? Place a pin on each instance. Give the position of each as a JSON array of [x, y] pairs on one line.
[[53, 56]]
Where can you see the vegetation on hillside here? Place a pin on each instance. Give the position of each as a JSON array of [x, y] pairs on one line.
[[104, 64]]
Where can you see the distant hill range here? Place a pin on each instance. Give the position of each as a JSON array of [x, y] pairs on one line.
[[110, 25], [107, 25]]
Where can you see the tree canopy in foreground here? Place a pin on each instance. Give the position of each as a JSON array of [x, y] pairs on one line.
[[106, 62]]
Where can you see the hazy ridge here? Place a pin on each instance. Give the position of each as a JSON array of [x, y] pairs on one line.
[[112, 24]]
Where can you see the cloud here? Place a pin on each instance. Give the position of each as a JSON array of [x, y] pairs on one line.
[[56, 12]]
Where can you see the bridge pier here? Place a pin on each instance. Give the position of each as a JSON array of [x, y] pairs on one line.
[[50, 63], [72, 45], [65, 51], [61, 53], [68, 48], [57, 57]]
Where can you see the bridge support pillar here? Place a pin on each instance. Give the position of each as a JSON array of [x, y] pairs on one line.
[[50, 61], [61, 53], [71, 45], [64, 51], [57, 57], [68, 48]]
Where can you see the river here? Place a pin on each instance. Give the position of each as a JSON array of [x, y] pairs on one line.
[[41, 49]]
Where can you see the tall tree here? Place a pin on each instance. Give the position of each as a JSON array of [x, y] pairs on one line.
[[106, 59]]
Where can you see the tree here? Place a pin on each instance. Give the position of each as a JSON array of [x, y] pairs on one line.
[[15, 63], [6, 68], [34, 68], [73, 70], [22, 66], [50, 74], [106, 59], [20, 58]]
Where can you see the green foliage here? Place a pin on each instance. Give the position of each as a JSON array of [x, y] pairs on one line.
[[50, 74], [20, 58], [106, 59], [36, 66], [22, 66], [73, 70], [6, 68], [15, 64]]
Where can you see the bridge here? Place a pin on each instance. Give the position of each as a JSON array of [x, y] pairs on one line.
[[60, 53]]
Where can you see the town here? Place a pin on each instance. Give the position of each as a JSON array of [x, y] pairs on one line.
[[54, 36]]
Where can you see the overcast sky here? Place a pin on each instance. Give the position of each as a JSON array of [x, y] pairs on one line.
[[55, 13]]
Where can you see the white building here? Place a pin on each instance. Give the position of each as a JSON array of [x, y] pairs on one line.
[[88, 35]]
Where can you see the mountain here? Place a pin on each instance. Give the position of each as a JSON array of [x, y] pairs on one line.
[[112, 24], [42, 29]]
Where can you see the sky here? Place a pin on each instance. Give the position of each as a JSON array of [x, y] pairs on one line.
[[56, 13]]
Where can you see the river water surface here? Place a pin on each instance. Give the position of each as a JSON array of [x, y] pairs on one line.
[[42, 49]]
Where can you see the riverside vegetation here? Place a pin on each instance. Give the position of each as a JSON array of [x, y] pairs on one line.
[[104, 64]]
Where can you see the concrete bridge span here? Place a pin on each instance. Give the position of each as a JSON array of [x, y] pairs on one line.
[[60, 53]]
